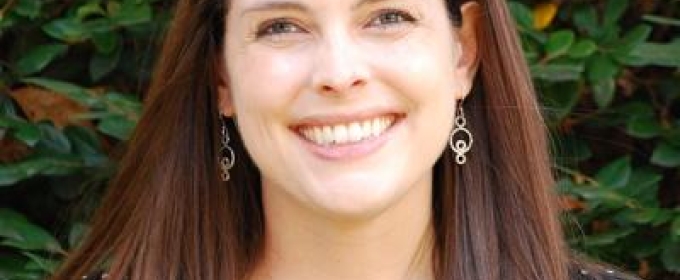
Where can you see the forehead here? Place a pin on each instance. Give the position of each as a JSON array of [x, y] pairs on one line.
[[255, 5]]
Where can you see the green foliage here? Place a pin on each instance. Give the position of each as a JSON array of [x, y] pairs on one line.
[[67, 100], [606, 72]]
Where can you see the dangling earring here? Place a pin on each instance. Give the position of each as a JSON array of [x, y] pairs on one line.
[[460, 146], [227, 157]]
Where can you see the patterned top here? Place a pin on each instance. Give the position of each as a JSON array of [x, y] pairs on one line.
[[584, 272], [593, 272]]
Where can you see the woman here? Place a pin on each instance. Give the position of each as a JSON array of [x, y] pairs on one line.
[[308, 139]]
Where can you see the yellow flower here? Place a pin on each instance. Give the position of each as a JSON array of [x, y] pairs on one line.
[[544, 13]]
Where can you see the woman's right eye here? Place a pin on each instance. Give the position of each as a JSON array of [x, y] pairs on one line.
[[278, 27]]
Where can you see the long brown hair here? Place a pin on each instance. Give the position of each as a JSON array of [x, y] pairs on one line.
[[168, 216]]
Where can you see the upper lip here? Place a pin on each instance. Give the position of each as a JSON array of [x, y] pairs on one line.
[[342, 118]]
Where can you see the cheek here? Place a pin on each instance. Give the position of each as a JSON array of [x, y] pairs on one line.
[[424, 69], [265, 82]]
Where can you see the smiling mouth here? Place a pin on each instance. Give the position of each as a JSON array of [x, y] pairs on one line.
[[347, 133]]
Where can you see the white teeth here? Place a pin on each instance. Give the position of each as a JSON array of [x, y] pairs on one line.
[[327, 135], [376, 128], [355, 132], [366, 126], [316, 135], [340, 134], [347, 133]]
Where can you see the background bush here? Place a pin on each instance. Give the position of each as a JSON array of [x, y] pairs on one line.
[[72, 74]]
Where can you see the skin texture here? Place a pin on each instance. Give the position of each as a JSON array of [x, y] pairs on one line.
[[362, 215]]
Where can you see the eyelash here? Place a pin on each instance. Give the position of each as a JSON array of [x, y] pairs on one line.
[[268, 28], [287, 26], [394, 14]]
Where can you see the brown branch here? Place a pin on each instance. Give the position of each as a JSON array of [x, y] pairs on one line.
[[6, 8]]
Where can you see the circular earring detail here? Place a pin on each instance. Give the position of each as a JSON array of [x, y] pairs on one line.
[[460, 145], [227, 157]]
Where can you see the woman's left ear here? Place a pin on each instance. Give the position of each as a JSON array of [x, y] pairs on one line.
[[468, 37], [224, 98]]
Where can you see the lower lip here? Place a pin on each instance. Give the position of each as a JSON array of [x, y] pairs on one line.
[[351, 150]]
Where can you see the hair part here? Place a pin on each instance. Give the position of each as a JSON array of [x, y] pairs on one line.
[[168, 216]]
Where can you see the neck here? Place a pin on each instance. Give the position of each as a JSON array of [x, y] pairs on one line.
[[395, 244]]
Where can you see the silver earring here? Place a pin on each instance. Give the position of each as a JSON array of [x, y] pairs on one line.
[[227, 156], [460, 146]]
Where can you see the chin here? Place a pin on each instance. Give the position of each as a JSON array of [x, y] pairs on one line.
[[352, 199]]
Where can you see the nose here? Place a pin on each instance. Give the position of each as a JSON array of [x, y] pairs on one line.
[[340, 67]]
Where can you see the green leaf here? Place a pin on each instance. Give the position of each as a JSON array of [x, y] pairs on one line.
[[572, 149], [658, 54], [635, 108], [670, 256], [67, 30], [39, 57], [127, 104], [640, 216], [99, 26], [117, 126], [102, 64], [76, 234], [643, 127], [603, 92], [585, 18], [53, 139], [615, 174], [35, 165], [672, 136], [664, 217], [632, 40], [22, 130], [10, 266], [19, 233], [131, 13], [582, 49], [601, 67], [607, 238], [613, 11], [38, 263], [675, 228], [559, 98], [107, 42], [643, 186], [559, 43], [608, 36], [557, 72], [7, 106], [28, 8], [666, 155], [90, 9], [661, 20], [638, 35], [87, 145], [72, 91], [522, 14], [601, 196]]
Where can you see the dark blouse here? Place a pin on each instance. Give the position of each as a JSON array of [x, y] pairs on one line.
[[580, 272], [584, 271]]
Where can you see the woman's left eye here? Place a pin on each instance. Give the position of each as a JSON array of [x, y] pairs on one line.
[[391, 17]]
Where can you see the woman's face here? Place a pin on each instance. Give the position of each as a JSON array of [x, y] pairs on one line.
[[344, 105]]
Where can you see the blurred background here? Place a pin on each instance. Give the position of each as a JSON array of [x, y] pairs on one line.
[[73, 74]]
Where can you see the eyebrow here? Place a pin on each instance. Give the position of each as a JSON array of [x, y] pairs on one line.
[[296, 6], [275, 5]]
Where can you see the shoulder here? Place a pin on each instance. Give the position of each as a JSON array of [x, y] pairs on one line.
[[589, 271]]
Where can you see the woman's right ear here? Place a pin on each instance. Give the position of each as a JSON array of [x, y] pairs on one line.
[[224, 99]]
